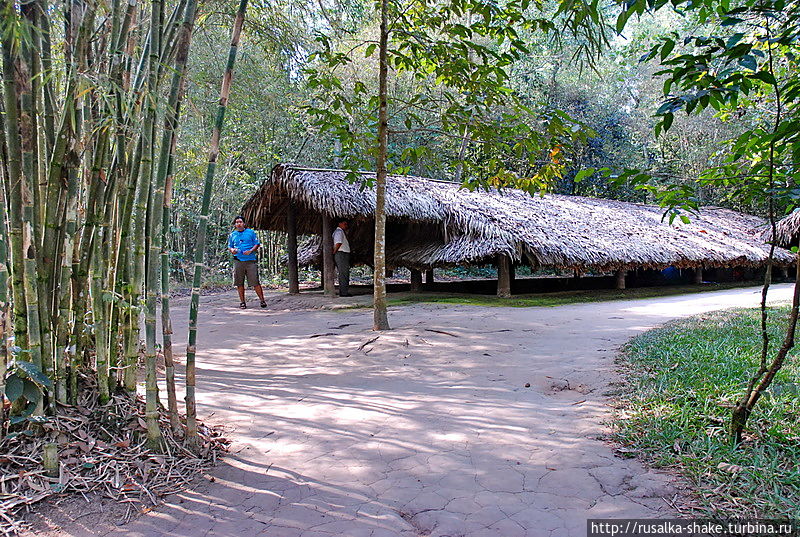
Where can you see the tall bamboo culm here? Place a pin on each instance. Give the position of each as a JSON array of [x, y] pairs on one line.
[[163, 185], [202, 227], [78, 137]]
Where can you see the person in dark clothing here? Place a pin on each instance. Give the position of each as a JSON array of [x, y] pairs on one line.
[[341, 255]]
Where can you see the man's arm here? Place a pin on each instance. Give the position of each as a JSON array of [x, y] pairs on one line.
[[337, 235], [231, 249]]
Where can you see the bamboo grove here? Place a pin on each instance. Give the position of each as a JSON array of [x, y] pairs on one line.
[[90, 110]]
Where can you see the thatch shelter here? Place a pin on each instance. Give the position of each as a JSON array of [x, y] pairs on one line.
[[433, 223], [787, 230]]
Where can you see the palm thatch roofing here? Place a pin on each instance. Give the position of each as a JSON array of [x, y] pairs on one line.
[[787, 230], [438, 223]]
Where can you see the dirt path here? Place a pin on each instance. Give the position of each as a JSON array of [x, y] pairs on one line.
[[428, 430]]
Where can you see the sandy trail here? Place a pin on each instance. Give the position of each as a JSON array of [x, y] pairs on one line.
[[427, 430]]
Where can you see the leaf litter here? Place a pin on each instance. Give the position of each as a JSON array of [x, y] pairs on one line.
[[101, 450]]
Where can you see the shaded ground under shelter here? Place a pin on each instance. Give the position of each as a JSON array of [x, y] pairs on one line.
[[432, 223]]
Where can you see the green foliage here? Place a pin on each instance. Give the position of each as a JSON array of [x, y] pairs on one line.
[[742, 68], [453, 106], [25, 385], [683, 380]]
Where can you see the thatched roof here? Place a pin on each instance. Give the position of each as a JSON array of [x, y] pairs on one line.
[[788, 230], [437, 223]]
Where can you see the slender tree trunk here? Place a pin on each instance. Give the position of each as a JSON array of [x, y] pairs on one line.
[[328, 266], [380, 316], [291, 249], [213, 153], [416, 280], [503, 276], [765, 374]]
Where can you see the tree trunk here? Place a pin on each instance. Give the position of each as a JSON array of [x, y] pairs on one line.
[[698, 275], [503, 276], [416, 281], [291, 250], [380, 315], [213, 153], [620, 278], [328, 271], [429, 276]]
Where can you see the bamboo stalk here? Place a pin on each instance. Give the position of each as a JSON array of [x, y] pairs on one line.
[[14, 168], [199, 254], [153, 210], [4, 302], [163, 186], [29, 186]]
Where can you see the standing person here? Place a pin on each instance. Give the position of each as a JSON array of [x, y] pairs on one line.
[[341, 254], [243, 243]]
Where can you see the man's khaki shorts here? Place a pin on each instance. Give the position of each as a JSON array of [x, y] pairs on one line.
[[242, 269]]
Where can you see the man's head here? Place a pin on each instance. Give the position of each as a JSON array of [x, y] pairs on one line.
[[238, 223], [343, 224]]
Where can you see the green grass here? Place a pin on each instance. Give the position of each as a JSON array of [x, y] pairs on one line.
[[559, 298], [682, 380]]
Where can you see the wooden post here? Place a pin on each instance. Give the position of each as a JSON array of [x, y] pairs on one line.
[[429, 276], [416, 280], [50, 459], [698, 275], [620, 274], [503, 276], [328, 272], [291, 250]]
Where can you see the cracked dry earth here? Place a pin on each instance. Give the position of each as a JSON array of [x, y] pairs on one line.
[[428, 430]]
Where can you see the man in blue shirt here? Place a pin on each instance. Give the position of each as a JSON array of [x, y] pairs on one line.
[[243, 243]]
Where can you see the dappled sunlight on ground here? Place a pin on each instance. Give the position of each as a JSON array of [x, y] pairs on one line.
[[428, 429]]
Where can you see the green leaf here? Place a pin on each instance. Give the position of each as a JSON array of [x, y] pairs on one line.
[[668, 118], [370, 50], [31, 391], [34, 373], [748, 62], [668, 46], [731, 21], [765, 76], [734, 40], [14, 387], [583, 174]]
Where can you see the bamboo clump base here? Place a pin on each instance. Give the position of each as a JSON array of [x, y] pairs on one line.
[[101, 449]]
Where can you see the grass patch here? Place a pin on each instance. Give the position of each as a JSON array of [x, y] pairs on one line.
[[682, 380], [560, 298]]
